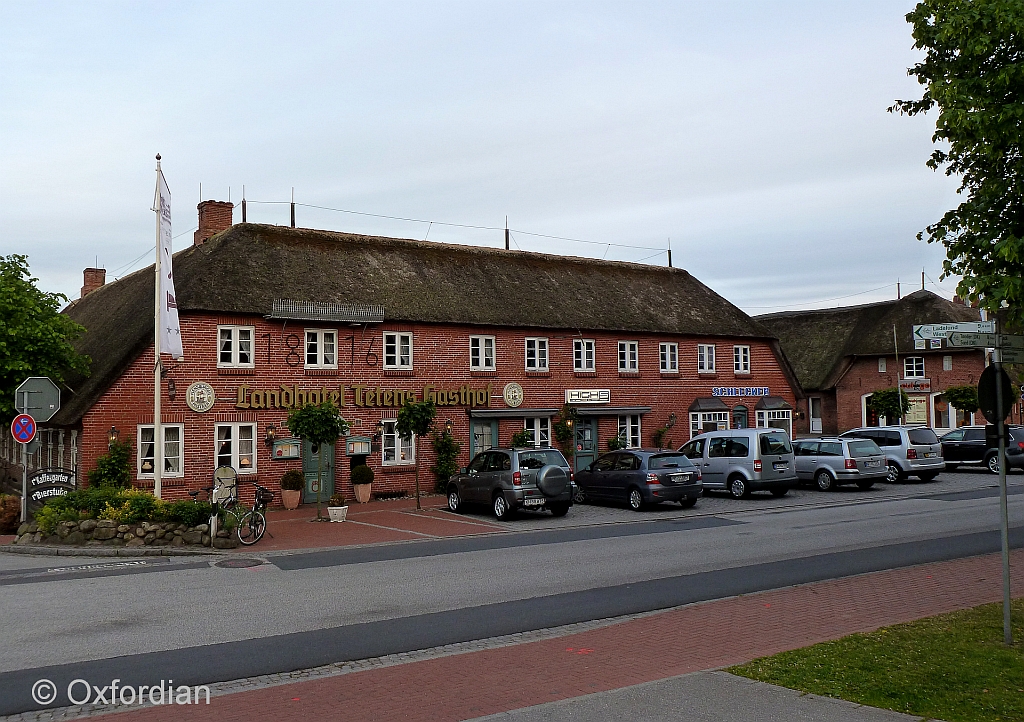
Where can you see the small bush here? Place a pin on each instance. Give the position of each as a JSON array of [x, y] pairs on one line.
[[362, 474], [188, 512], [616, 442], [522, 438], [336, 500], [293, 480], [113, 469]]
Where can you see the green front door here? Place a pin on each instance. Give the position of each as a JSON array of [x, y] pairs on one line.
[[310, 455], [586, 443]]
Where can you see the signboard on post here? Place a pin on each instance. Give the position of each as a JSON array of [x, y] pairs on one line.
[[39, 397], [943, 330], [986, 340]]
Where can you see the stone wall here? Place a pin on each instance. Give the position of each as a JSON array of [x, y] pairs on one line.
[[107, 533]]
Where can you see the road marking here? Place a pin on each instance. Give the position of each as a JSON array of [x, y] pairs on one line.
[[395, 528], [91, 567]]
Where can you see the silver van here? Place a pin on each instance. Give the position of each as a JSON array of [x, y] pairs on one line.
[[909, 450], [744, 460], [830, 462]]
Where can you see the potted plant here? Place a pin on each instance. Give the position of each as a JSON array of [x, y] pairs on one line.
[[337, 508], [362, 478], [291, 488]]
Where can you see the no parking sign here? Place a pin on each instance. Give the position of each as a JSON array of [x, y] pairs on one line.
[[23, 428]]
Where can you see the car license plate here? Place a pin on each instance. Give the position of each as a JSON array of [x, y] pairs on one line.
[[679, 478], [871, 463], [533, 502], [780, 465], [930, 454]]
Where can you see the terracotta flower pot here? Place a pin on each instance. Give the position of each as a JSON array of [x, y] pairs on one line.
[[362, 492], [291, 498]]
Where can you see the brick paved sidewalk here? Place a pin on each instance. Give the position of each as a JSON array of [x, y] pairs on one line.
[[692, 638]]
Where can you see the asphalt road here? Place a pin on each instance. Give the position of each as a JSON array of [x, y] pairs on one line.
[[196, 623]]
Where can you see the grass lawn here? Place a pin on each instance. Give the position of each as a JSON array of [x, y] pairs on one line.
[[952, 667]]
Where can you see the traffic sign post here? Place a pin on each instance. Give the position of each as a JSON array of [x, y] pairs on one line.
[[943, 330], [37, 399], [986, 340]]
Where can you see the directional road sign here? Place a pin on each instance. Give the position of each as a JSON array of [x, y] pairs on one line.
[[986, 340], [1012, 356], [23, 428], [39, 397], [942, 330]]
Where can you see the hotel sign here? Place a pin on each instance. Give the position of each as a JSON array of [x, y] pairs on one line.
[[588, 396], [288, 396]]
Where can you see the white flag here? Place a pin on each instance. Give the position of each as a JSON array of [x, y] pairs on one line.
[[170, 331]]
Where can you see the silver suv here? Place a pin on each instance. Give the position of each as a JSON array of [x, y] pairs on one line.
[[743, 460], [909, 450], [831, 462], [511, 479]]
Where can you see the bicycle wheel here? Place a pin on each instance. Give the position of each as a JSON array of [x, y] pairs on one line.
[[251, 527]]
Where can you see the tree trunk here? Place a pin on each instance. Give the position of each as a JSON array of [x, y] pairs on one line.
[[417, 472]]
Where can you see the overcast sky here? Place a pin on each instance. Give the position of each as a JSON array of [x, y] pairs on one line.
[[754, 135]]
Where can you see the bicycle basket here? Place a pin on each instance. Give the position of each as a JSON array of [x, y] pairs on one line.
[[265, 497]]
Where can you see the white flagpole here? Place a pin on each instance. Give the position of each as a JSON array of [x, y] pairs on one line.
[[158, 446]]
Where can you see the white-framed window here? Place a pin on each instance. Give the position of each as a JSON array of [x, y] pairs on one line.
[[396, 450], [481, 353], [629, 430], [701, 421], [173, 455], [536, 354], [234, 346], [236, 447], [669, 357], [321, 348], [913, 367], [947, 363], [776, 419], [705, 358], [539, 429], [583, 354], [398, 350], [881, 365], [741, 359], [629, 357]]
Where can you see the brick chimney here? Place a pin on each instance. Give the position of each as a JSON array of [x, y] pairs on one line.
[[214, 217], [93, 279]]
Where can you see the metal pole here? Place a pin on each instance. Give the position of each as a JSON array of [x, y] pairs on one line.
[[1004, 519]]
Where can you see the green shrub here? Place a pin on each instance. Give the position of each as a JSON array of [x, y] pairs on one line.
[[617, 442], [362, 474], [447, 451], [113, 469], [293, 480], [892, 403], [189, 512], [962, 398]]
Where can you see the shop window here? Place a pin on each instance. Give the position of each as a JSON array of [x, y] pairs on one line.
[[881, 365], [321, 349], [536, 354], [741, 359], [917, 413], [398, 350], [235, 346], [236, 447], [481, 353], [172, 434], [539, 430], [669, 356], [740, 417], [583, 354], [629, 357], [396, 450], [776, 419], [629, 430], [947, 363], [705, 358], [913, 367], [708, 421]]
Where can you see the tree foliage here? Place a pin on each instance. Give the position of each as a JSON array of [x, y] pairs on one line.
[[446, 451], [113, 469], [891, 403], [973, 73], [318, 424], [416, 417], [962, 398], [35, 338]]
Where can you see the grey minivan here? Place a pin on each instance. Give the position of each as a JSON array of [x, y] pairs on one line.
[[744, 460], [831, 462]]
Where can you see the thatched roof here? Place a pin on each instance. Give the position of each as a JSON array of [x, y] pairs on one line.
[[818, 343], [244, 269]]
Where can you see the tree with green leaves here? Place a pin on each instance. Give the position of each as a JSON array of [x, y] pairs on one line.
[[973, 73], [35, 337], [318, 424], [962, 398], [891, 403], [416, 419]]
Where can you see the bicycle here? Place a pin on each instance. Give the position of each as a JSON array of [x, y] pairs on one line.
[[250, 524]]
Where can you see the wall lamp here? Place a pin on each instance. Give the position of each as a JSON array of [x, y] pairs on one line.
[[671, 420], [172, 389], [379, 430], [271, 435], [448, 426], [112, 436]]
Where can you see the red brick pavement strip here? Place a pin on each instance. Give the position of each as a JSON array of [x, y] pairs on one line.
[[689, 639]]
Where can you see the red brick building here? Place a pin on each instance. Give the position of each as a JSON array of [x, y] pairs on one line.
[[275, 317], [842, 355]]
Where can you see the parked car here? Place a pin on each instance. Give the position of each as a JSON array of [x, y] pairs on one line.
[[831, 462], [971, 445], [641, 477], [744, 460], [909, 450], [511, 479]]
